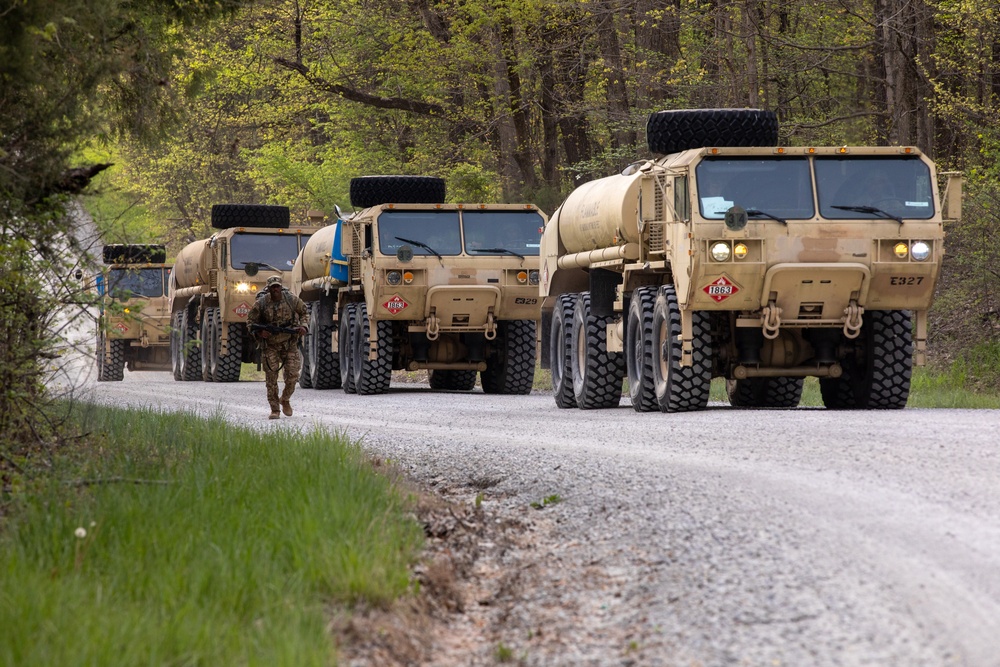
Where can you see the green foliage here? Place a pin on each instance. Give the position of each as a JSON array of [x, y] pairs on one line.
[[177, 540]]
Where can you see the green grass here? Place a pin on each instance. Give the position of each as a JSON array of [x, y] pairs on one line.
[[230, 550]]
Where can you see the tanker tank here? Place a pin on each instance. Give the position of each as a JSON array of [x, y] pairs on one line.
[[601, 214], [192, 264], [321, 264]]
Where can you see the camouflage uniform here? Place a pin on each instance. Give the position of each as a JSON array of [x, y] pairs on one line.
[[280, 351]]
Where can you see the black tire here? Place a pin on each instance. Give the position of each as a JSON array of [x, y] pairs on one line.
[[639, 351], [374, 190], [175, 345], [345, 347], [597, 373], [511, 368], [561, 350], [680, 388], [209, 351], [190, 349], [228, 366], [877, 373], [305, 377], [226, 216], [325, 365], [371, 376], [120, 253], [679, 130], [764, 392], [110, 363], [452, 380]]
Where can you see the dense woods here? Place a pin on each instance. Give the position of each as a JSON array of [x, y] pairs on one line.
[[196, 102]]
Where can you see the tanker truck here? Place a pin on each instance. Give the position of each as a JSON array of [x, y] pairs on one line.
[[214, 284], [133, 322], [409, 282], [728, 256]]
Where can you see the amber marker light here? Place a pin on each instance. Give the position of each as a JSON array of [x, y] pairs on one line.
[[740, 250], [407, 277], [900, 250], [842, 150], [522, 277]]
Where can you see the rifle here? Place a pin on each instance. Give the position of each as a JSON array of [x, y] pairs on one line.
[[273, 328]]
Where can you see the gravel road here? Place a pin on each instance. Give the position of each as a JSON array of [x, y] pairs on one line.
[[723, 537]]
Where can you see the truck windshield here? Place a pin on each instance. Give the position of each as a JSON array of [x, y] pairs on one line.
[[436, 232], [274, 250], [128, 283], [502, 232], [874, 187], [779, 186]]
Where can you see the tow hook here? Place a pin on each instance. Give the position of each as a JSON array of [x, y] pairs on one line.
[[491, 327], [771, 317], [852, 319], [433, 327]]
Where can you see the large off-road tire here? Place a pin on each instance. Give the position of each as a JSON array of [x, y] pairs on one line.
[[877, 373], [209, 352], [129, 253], [225, 216], [511, 368], [111, 362], [680, 388], [561, 350], [679, 130], [305, 377], [452, 380], [764, 392], [639, 352], [176, 327], [371, 376], [190, 348], [597, 373], [374, 190], [228, 366], [345, 347], [325, 365]]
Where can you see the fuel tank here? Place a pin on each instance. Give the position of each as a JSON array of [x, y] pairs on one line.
[[601, 214], [192, 264], [322, 255]]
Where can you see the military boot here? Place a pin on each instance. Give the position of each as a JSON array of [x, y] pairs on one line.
[[274, 412], [286, 407]]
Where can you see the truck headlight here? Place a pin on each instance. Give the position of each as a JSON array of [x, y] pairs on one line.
[[720, 251], [242, 288], [533, 277], [920, 250], [393, 277]]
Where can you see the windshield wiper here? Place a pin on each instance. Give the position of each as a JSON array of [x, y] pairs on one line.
[[421, 245], [505, 250], [754, 211], [870, 209], [253, 267]]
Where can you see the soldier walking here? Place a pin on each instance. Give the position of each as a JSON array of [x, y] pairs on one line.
[[279, 350]]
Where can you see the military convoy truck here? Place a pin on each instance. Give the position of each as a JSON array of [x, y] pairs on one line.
[[214, 284], [133, 322], [730, 256], [409, 282]]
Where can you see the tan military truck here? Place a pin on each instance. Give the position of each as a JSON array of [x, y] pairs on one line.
[[133, 322], [728, 256], [215, 282], [409, 282]]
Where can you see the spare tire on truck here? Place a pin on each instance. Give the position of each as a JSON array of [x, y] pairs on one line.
[[121, 253], [682, 129], [374, 190], [227, 216]]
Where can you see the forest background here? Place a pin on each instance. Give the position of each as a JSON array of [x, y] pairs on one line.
[[157, 110]]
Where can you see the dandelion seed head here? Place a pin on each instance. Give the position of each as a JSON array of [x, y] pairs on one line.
[[80, 532]]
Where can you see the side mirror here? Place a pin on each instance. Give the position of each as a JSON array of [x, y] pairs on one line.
[[78, 274], [251, 268]]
